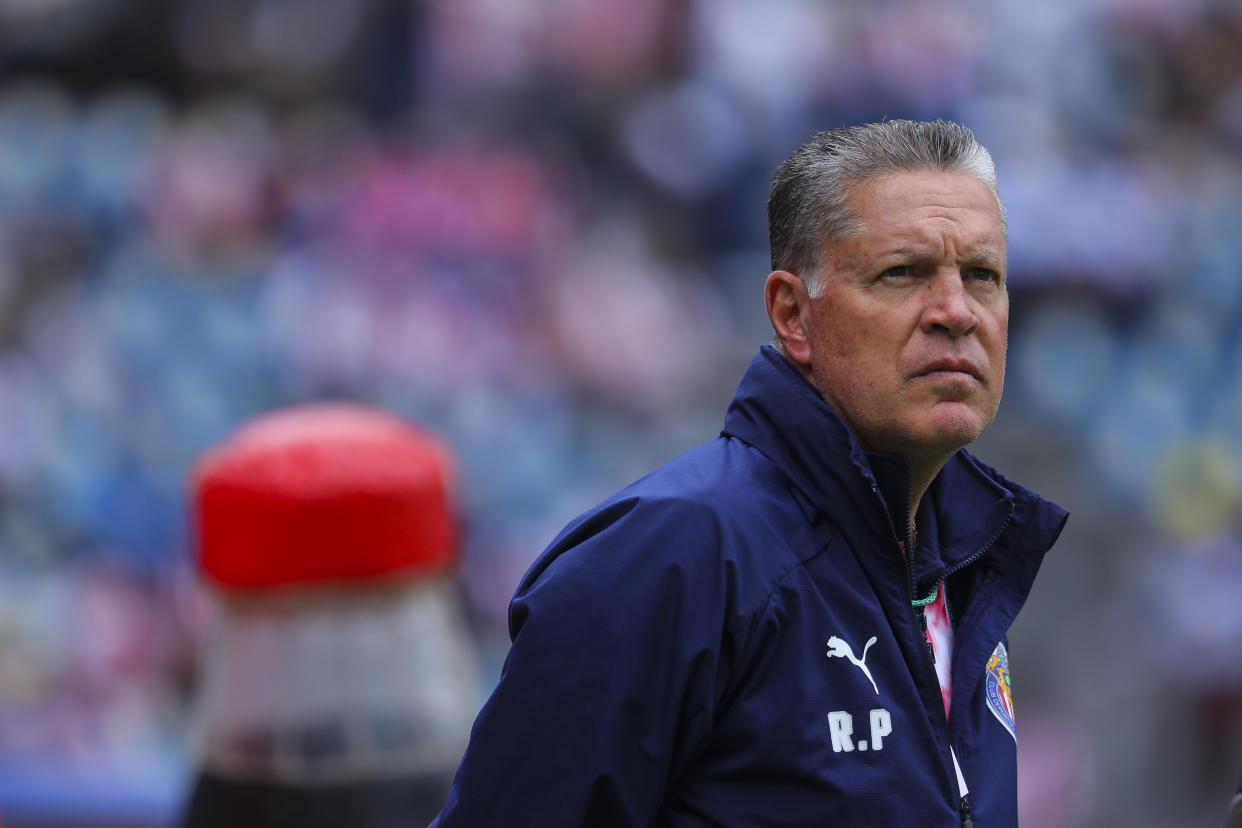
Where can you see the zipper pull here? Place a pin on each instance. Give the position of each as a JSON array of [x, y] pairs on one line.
[[963, 792]]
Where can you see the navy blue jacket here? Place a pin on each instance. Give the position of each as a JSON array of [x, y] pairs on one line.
[[680, 657]]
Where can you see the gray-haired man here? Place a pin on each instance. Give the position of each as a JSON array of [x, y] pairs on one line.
[[801, 622]]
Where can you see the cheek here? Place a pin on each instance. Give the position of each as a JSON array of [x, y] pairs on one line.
[[1002, 327], [997, 340], [1001, 362], [858, 356], [866, 340]]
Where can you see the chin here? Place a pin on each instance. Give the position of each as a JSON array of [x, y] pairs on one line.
[[952, 433]]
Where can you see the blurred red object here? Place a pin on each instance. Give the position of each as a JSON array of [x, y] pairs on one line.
[[327, 492]]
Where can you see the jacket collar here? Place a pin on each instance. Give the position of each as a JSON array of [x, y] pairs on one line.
[[781, 414]]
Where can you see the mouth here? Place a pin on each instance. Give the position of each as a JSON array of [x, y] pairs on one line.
[[951, 369]]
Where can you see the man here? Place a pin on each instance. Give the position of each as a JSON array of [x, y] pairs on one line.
[[802, 622]]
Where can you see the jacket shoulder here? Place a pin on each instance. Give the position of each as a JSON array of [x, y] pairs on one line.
[[1037, 521], [722, 514]]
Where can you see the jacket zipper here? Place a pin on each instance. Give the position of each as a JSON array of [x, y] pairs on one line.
[[978, 554], [920, 614], [920, 617], [964, 806]]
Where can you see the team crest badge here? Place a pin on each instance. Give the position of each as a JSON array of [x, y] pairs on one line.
[[999, 693]]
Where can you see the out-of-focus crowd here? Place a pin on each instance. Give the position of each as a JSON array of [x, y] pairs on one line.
[[538, 227]]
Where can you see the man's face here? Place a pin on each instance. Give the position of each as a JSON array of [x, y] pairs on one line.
[[907, 342]]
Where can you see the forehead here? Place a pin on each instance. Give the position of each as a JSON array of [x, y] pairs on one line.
[[928, 206]]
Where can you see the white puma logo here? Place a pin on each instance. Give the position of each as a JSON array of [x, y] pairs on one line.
[[837, 647]]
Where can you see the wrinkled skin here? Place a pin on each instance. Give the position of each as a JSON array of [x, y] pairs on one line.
[[907, 342]]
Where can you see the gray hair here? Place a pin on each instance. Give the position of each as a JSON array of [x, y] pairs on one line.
[[808, 206]]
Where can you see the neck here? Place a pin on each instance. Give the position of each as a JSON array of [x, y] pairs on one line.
[[921, 477]]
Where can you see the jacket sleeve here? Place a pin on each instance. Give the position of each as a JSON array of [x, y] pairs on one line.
[[608, 688]]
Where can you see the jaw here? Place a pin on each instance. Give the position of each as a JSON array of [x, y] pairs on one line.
[[953, 424], [930, 436], [950, 407]]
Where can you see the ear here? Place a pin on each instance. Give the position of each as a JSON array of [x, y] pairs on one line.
[[788, 304]]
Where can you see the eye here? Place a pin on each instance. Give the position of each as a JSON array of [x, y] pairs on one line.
[[983, 274], [898, 272]]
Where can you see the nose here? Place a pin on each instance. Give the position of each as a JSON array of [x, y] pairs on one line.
[[948, 308]]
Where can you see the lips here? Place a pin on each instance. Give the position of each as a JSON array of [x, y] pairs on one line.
[[957, 366]]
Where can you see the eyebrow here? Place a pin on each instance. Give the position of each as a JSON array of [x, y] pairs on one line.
[[986, 257]]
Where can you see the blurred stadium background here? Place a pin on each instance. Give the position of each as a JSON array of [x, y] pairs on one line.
[[538, 227]]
